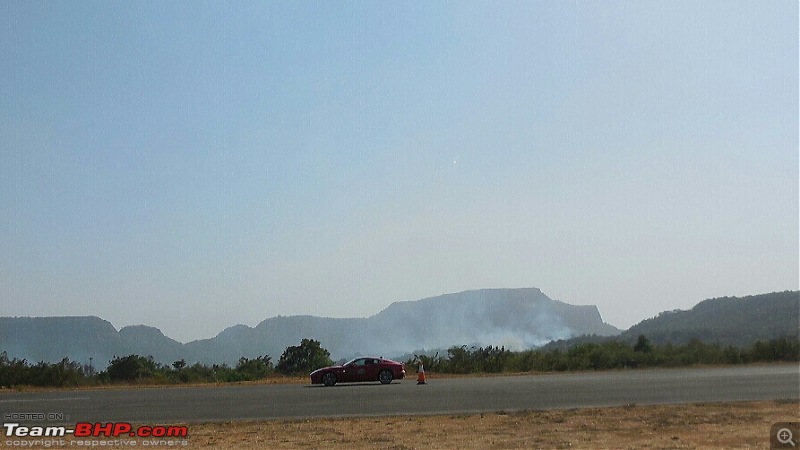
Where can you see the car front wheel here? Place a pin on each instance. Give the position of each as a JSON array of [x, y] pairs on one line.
[[329, 379], [385, 377]]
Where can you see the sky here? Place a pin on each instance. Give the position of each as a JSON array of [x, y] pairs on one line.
[[192, 165]]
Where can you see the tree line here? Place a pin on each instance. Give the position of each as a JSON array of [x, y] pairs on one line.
[[606, 355], [310, 355], [295, 360]]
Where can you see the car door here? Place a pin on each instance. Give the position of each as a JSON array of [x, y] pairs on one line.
[[348, 372], [371, 369], [358, 371]]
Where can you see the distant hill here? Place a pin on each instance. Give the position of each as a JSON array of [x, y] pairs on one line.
[[514, 318], [144, 340], [53, 338], [736, 321]]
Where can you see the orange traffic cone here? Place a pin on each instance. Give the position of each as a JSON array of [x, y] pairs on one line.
[[421, 374]]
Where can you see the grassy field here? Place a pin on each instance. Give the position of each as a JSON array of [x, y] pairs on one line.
[[724, 425], [728, 425]]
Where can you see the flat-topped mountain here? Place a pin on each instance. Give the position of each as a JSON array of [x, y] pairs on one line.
[[514, 318], [53, 338]]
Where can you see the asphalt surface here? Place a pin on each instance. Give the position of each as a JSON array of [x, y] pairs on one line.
[[439, 396]]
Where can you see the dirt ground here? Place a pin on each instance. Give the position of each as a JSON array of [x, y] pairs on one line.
[[726, 425], [730, 425]]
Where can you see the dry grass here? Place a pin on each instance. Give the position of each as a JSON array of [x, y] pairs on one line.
[[726, 425], [730, 425]]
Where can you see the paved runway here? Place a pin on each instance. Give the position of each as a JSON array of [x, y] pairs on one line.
[[439, 396]]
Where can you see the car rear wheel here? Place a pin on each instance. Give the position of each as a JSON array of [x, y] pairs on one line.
[[385, 377], [329, 379]]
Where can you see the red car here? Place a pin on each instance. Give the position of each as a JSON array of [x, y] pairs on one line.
[[360, 369]]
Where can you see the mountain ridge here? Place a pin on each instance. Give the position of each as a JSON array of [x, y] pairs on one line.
[[514, 318], [734, 321]]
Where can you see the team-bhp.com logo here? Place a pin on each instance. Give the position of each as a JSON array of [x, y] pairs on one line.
[[87, 429]]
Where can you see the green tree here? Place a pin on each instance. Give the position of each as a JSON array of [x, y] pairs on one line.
[[303, 358], [132, 368], [254, 369], [643, 345]]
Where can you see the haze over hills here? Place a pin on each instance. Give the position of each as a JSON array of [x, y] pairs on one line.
[[514, 318]]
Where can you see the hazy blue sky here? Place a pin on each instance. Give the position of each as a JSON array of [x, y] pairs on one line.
[[193, 165]]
